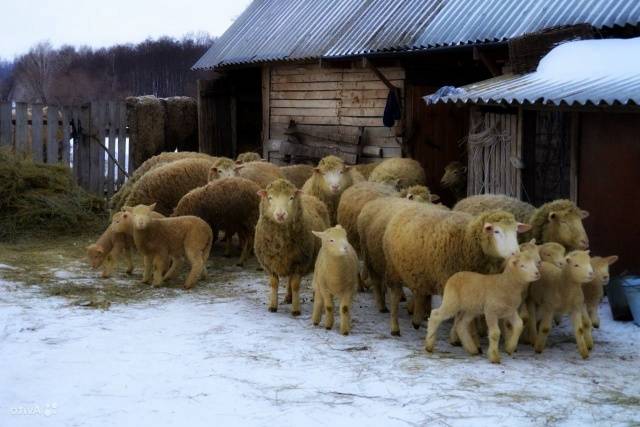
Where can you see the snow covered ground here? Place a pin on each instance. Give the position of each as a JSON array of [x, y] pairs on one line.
[[216, 356]]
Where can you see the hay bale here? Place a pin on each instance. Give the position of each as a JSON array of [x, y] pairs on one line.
[[38, 199], [181, 127], [146, 116]]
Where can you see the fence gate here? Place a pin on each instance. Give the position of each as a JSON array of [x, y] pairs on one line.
[[91, 139]]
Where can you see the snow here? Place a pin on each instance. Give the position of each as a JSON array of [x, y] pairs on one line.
[[216, 356], [588, 59]]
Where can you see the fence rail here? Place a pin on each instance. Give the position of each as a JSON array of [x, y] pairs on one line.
[[91, 139]]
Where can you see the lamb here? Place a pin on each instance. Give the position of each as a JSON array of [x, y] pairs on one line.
[[560, 221], [283, 243], [228, 204], [419, 193], [424, 246], [166, 184], [559, 291], [475, 205], [455, 179], [159, 239], [108, 248], [297, 174], [365, 169], [407, 172], [262, 173], [335, 274], [329, 180], [222, 167], [247, 157], [593, 290], [553, 253], [496, 296]]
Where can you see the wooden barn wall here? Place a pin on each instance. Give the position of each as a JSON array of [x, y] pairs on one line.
[[332, 103]]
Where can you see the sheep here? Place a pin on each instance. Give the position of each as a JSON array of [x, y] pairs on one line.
[[108, 248], [424, 246], [407, 172], [247, 157], [283, 242], [166, 184], [335, 274], [559, 291], [419, 193], [560, 221], [553, 253], [228, 204], [496, 296], [262, 173], [222, 167], [297, 174], [475, 205], [593, 290], [159, 239], [366, 168], [455, 179], [329, 180]]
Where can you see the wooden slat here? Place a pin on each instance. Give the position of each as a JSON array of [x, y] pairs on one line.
[[21, 142], [52, 137], [282, 70], [361, 112], [518, 153], [111, 132], [37, 153], [303, 94], [305, 120], [95, 150], [309, 112], [305, 103], [574, 156], [6, 127], [121, 114], [507, 152], [266, 106], [85, 148], [322, 76], [66, 116], [283, 87]]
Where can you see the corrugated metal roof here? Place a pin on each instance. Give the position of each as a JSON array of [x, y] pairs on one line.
[[276, 30], [533, 89]]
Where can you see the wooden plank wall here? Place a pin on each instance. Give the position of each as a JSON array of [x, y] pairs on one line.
[[88, 139], [333, 103]]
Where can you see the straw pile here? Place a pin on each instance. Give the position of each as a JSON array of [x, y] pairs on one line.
[[181, 123]]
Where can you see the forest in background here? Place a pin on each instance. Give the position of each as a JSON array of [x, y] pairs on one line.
[[72, 75]]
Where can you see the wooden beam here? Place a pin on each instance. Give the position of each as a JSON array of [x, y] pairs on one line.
[[379, 74], [266, 112], [488, 62], [575, 157]]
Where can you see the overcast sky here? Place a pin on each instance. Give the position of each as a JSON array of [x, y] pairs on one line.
[[107, 22]]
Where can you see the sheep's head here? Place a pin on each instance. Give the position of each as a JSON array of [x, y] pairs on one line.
[[499, 233], [96, 255], [223, 167], [141, 215], [387, 178], [525, 266], [579, 266], [280, 201], [121, 221], [249, 156], [533, 249], [553, 253], [455, 174], [563, 224], [334, 240], [334, 173], [419, 193], [601, 268]]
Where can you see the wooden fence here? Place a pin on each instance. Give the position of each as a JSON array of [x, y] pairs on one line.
[[91, 139]]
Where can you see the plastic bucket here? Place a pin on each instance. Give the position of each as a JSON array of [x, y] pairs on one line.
[[618, 299], [631, 287]]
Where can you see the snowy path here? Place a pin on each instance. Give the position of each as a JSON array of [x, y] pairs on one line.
[[215, 356]]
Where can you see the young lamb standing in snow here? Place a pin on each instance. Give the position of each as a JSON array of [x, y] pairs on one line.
[[593, 291], [283, 243], [559, 291], [109, 247], [329, 180], [496, 296], [335, 274], [171, 238]]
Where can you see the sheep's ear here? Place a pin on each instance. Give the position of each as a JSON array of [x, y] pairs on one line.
[[237, 168], [238, 162], [410, 196], [339, 227], [262, 193], [346, 168], [152, 207], [316, 169], [127, 209], [318, 234], [584, 214], [523, 228], [611, 259], [434, 198], [488, 227], [552, 216]]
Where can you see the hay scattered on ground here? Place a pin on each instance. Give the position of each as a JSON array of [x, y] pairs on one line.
[[37, 199]]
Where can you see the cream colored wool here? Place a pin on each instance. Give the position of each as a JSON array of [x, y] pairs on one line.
[[365, 169], [407, 172], [420, 193], [109, 247], [560, 221], [247, 157], [297, 174], [594, 290], [262, 173], [478, 204]]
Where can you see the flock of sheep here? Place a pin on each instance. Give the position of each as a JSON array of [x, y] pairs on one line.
[[374, 226]]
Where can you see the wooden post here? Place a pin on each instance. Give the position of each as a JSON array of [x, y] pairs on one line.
[[575, 157], [121, 114], [21, 128], [206, 126], [95, 151], [36, 133], [66, 117], [52, 130], [112, 148], [6, 134], [519, 154], [83, 158], [266, 103]]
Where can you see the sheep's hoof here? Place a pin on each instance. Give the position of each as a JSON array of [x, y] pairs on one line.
[[328, 328], [384, 310], [129, 272], [395, 333], [416, 325], [316, 323], [295, 313], [345, 333], [428, 348], [273, 309], [596, 325], [287, 299]]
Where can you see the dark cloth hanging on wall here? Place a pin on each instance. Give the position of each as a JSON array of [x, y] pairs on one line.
[[392, 110]]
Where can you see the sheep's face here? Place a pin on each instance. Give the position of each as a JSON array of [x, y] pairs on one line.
[[334, 180], [248, 157], [601, 268], [142, 216], [280, 202], [454, 174], [334, 240], [525, 265], [96, 255], [121, 221], [217, 172], [532, 249], [501, 238], [419, 193], [553, 253], [579, 265], [565, 227]]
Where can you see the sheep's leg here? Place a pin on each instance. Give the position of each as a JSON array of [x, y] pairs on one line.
[[197, 261], [362, 287], [418, 309], [557, 319], [395, 292], [345, 314], [246, 250], [274, 282], [465, 335], [328, 307], [438, 316], [289, 296], [378, 293], [117, 252], [128, 252], [318, 307], [173, 270], [148, 269], [532, 332], [588, 327], [594, 316], [227, 248], [517, 325], [494, 336], [454, 339], [546, 319], [410, 303], [158, 269], [473, 329], [108, 266], [578, 329], [294, 283]]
